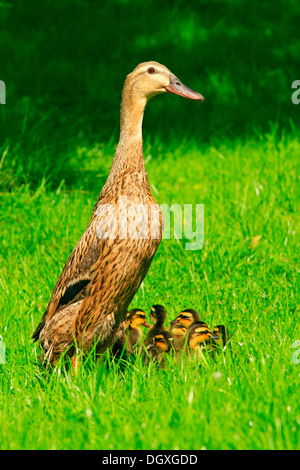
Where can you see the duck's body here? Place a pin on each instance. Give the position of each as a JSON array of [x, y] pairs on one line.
[[98, 309], [91, 297]]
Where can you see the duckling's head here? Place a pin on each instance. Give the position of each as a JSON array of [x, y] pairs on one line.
[[178, 330], [137, 318], [162, 341], [221, 332], [158, 315], [149, 79], [186, 317], [199, 334]]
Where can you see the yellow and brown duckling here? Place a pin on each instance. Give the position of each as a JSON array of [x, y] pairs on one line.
[[179, 334], [186, 317], [199, 337], [105, 269], [222, 337], [136, 318], [158, 316], [162, 344], [222, 332]]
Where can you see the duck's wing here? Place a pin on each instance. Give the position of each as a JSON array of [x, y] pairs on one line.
[[73, 284]]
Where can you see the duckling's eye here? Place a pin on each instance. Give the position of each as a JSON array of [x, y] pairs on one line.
[[151, 70], [184, 317]]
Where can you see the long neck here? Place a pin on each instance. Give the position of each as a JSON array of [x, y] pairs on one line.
[[129, 152]]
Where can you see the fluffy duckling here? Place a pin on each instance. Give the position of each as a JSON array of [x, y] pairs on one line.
[[186, 317], [136, 318], [162, 343], [222, 338], [222, 333], [199, 337], [158, 317], [179, 334]]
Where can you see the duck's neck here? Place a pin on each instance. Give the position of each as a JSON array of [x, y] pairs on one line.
[[129, 153]]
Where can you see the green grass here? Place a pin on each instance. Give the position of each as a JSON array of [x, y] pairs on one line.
[[250, 400]]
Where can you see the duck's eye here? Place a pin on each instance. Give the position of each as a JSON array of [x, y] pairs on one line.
[[151, 70]]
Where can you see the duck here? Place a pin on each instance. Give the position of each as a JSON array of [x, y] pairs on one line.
[[158, 316], [186, 317], [199, 337], [90, 299], [179, 334]]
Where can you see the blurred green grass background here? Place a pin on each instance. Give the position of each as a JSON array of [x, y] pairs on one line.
[[64, 65]]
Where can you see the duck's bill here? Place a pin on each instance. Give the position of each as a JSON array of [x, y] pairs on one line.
[[175, 86], [214, 336], [146, 324]]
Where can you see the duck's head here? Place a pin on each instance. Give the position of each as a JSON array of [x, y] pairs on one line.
[[199, 334], [158, 314], [186, 317], [178, 330], [149, 79], [137, 318]]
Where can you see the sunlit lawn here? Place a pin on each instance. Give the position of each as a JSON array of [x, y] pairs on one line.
[[246, 276]]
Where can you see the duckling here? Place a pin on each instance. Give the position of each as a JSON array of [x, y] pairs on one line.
[[132, 334], [186, 317], [222, 337], [105, 269], [137, 319], [162, 343], [158, 316], [222, 333], [199, 337], [179, 333]]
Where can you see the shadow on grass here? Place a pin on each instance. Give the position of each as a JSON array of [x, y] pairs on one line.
[[64, 66]]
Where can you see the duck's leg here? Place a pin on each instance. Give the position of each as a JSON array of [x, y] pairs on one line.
[[75, 364]]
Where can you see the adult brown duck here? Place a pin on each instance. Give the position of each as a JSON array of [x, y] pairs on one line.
[[90, 299]]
